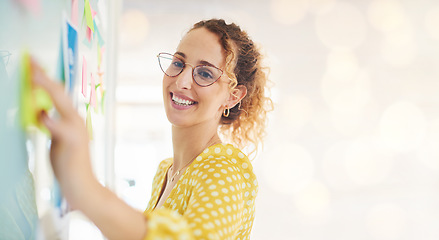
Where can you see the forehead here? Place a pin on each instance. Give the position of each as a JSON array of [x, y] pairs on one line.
[[202, 45]]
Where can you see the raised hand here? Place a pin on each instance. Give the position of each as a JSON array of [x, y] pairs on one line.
[[70, 158]]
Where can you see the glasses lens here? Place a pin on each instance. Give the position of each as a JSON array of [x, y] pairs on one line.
[[206, 75], [170, 65]]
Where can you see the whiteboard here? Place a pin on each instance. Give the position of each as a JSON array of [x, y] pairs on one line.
[[29, 192]]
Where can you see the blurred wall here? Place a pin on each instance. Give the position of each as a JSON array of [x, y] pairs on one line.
[[352, 150]]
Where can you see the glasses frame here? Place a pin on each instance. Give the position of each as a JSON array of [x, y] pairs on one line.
[[184, 66]]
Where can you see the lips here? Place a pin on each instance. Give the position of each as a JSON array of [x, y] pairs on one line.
[[182, 100]]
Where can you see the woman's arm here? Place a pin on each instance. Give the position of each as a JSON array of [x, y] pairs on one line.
[[70, 158]]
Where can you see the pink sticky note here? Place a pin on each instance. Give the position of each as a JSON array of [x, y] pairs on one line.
[[93, 12], [75, 12], [93, 92], [84, 76], [33, 6], [89, 34]]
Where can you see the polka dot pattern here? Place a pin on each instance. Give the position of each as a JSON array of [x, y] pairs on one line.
[[213, 199]]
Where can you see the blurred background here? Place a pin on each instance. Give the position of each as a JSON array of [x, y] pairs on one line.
[[352, 147], [352, 150]]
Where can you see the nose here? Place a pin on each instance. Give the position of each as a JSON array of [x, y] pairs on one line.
[[185, 79]]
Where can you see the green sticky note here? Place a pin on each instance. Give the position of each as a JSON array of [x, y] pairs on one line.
[[102, 101], [32, 99], [88, 16]]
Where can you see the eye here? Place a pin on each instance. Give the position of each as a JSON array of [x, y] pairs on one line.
[[177, 63], [204, 73]]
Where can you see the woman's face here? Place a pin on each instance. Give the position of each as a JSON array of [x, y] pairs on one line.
[[203, 105]]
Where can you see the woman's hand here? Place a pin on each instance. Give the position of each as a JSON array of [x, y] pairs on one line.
[[69, 155], [69, 151]]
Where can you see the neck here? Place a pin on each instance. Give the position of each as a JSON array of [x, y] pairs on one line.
[[188, 142]]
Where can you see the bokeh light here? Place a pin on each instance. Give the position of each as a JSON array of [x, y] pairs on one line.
[[386, 15], [321, 6], [296, 112], [289, 12], [432, 22], [403, 126], [313, 202], [366, 163], [433, 130], [386, 221], [428, 155], [333, 167], [134, 28], [342, 64], [346, 90], [398, 50], [343, 26], [289, 168]]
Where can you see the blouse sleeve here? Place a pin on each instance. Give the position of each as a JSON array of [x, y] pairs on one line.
[[164, 223], [216, 208]]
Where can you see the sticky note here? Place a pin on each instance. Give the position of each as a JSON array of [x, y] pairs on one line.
[[98, 33], [84, 77], [33, 6], [32, 99], [88, 15], [93, 12], [102, 101], [92, 92], [88, 34], [74, 13], [88, 123], [101, 82], [87, 43]]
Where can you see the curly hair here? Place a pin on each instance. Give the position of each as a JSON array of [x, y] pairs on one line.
[[247, 120]]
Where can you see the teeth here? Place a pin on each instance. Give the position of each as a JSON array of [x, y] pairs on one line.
[[181, 101]]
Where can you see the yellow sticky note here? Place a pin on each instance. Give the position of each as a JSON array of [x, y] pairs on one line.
[[42, 100], [88, 16], [32, 99]]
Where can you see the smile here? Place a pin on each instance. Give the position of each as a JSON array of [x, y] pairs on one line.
[[181, 102]]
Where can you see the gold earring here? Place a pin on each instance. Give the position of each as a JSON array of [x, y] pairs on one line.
[[226, 112]]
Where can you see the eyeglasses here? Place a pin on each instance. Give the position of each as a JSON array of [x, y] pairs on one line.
[[203, 75]]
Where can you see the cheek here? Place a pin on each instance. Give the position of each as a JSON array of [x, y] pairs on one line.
[[166, 81], [216, 98]]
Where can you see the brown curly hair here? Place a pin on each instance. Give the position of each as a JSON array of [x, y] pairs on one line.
[[247, 120]]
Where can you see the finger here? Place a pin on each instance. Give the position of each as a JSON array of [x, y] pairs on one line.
[[56, 91], [53, 126]]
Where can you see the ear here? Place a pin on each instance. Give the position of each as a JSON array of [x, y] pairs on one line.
[[236, 95]]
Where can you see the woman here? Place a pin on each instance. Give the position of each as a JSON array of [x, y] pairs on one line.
[[213, 84]]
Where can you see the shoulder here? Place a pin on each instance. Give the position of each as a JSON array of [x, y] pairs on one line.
[[162, 168], [223, 161], [165, 163]]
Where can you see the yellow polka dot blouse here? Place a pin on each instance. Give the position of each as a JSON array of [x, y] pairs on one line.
[[213, 199]]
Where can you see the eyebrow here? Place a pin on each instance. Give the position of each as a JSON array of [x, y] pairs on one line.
[[202, 62]]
